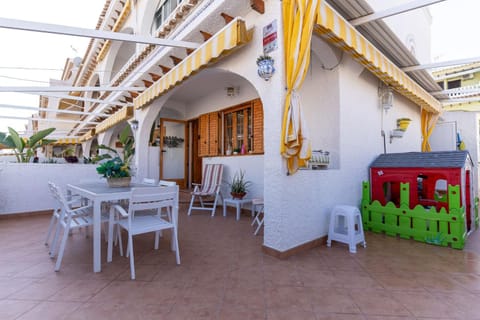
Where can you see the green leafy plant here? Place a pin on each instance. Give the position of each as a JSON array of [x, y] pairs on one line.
[[117, 166], [25, 148], [239, 185], [263, 58]]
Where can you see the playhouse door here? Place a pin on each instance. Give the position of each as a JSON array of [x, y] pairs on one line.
[[468, 199]]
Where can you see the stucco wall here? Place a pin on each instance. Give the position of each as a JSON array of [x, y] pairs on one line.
[[24, 186]]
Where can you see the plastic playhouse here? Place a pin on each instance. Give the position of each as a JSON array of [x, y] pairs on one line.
[[427, 196]]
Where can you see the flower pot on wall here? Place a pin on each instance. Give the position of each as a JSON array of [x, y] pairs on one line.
[[402, 124], [265, 67]]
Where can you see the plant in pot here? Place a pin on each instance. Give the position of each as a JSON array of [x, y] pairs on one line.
[[69, 155], [25, 148], [238, 185], [117, 168]]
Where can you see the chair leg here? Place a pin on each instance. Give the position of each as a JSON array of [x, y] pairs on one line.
[[132, 259], [50, 227], [62, 247], [119, 238], [214, 206], [191, 205], [175, 241], [157, 239], [53, 245]]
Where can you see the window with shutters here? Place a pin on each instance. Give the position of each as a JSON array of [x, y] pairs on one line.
[[242, 125]]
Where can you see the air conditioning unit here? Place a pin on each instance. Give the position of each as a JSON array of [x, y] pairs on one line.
[[467, 76]]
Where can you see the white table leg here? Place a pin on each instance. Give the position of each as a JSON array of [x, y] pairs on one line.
[[224, 209], [97, 237], [238, 210]]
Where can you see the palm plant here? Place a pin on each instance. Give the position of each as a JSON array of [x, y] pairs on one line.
[[117, 166], [25, 148]]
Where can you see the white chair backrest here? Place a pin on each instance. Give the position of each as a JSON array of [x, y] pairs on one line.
[[149, 181], [146, 198], [166, 183], [212, 178]]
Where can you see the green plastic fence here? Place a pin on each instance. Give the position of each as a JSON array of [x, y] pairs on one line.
[[422, 224]]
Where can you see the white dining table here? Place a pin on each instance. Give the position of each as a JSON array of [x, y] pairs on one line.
[[99, 192]]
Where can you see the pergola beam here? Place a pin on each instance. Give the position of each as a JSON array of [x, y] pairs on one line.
[[47, 120], [89, 33], [393, 11], [441, 64], [11, 106], [40, 90], [65, 96]]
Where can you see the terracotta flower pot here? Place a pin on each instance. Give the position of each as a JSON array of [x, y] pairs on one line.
[[238, 195]]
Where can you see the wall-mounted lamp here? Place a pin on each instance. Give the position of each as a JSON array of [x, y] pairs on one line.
[[386, 97], [232, 91], [134, 124]]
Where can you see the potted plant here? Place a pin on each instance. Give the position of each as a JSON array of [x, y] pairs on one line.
[[238, 185], [25, 148], [69, 155], [265, 67], [402, 123], [117, 168]]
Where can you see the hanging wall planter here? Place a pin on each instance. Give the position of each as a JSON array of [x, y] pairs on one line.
[[265, 67], [402, 123]]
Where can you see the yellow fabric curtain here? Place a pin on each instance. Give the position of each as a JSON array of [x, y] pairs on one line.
[[429, 120], [299, 17]]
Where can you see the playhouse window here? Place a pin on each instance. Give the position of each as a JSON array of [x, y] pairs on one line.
[[441, 190]]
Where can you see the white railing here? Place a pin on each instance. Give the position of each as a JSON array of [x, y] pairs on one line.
[[464, 92]]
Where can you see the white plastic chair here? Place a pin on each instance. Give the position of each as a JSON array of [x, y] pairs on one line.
[[258, 214], [148, 181], [57, 211], [210, 187], [141, 199], [69, 218]]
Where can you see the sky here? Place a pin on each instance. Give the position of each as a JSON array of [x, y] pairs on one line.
[[38, 57]]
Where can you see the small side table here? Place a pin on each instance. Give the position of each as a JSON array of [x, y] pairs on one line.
[[238, 204]]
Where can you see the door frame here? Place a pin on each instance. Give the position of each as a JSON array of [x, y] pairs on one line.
[[181, 182]]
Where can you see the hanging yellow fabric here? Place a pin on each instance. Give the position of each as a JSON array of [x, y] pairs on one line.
[[299, 17], [428, 122]]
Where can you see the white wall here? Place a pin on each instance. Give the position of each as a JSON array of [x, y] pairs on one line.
[[24, 186]]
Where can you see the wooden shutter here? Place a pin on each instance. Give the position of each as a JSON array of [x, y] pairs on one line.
[[213, 127], [203, 135], [257, 126], [208, 126]]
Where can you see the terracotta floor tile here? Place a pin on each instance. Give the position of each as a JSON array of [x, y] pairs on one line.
[[225, 275], [12, 309]]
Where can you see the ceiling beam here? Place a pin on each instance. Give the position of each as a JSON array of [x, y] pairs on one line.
[[42, 119], [11, 106], [393, 11], [40, 90], [441, 64], [91, 33]]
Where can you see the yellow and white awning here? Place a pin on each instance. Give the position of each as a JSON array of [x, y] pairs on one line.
[[66, 141], [122, 115], [338, 31], [223, 42]]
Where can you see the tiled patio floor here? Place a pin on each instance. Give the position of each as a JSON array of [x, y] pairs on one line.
[[225, 275]]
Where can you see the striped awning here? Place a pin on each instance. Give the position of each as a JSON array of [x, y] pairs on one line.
[[122, 17], [223, 42], [66, 141], [122, 115], [339, 32], [87, 136]]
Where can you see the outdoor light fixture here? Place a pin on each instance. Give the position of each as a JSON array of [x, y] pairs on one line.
[[231, 91], [134, 124], [386, 97]]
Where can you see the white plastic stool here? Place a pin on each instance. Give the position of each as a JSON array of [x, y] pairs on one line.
[[346, 227], [257, 211]]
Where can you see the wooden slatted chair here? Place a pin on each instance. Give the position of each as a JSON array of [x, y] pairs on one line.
[[210, 187]]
